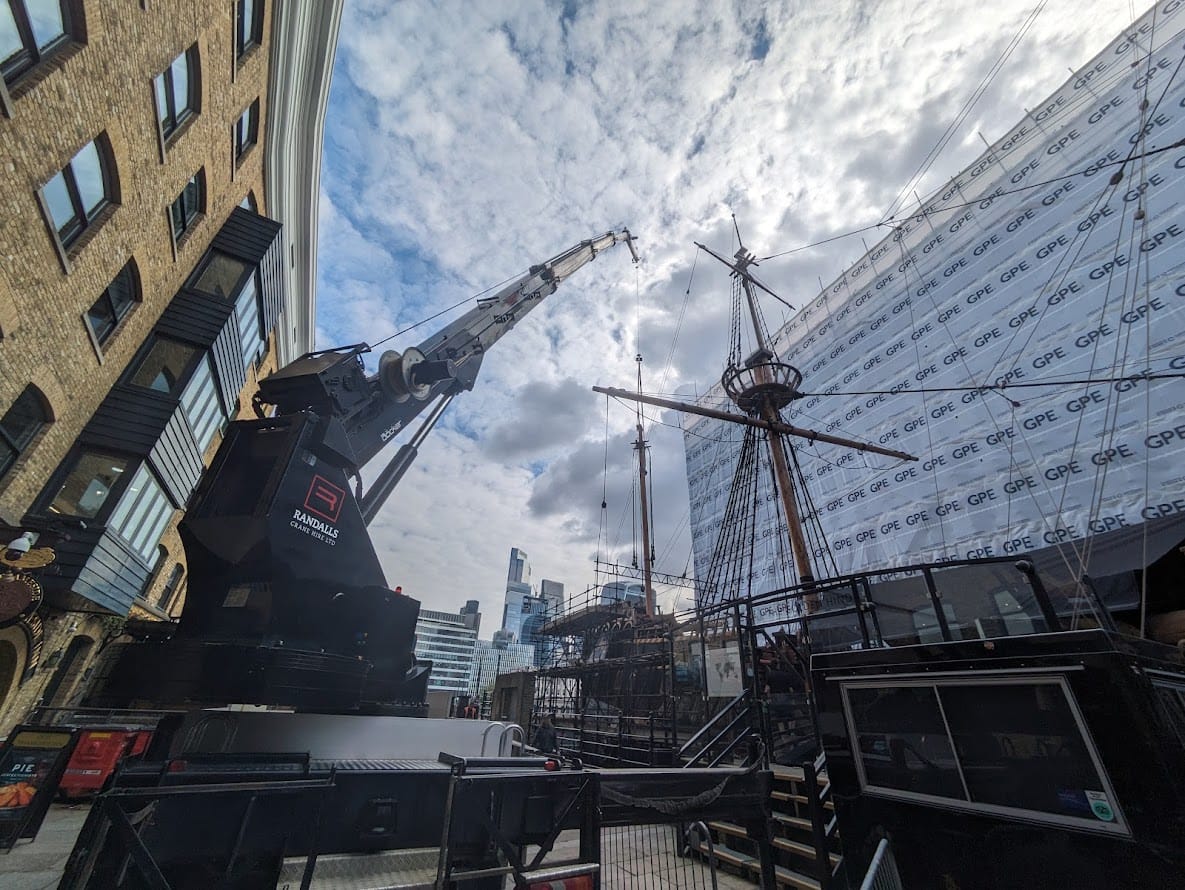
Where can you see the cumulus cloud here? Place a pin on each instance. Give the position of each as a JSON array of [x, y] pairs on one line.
[[467, 141]]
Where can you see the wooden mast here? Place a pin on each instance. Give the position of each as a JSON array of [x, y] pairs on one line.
[[640, 445]]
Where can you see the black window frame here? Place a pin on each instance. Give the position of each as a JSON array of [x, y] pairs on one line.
[[190, 209], [248, 34], [246, 137], [58, 480], [183, 376], [169, 119], [1117, 826], [210, 257], [84, 218], [30, 55], [116, 311], [14, 445], [171, 589]]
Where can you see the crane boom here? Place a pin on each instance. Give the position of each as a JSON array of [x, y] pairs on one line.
[[375, 409]]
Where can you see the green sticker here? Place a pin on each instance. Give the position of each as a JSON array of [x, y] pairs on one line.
[[1100, 806]]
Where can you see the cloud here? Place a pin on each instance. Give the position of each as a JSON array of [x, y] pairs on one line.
[[465, 142], [547, 415]]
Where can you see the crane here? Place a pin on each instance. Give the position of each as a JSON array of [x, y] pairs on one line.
[[287, 603]]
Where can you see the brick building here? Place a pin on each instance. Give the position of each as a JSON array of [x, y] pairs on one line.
[[157, 256]]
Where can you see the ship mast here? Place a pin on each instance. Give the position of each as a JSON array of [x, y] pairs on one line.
[[773, 390], [647, 551], [761, 385]]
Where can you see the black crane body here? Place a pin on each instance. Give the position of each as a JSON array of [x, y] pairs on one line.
[[287, 603]]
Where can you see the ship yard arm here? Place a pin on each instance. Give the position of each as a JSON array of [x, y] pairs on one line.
[[785, 428]]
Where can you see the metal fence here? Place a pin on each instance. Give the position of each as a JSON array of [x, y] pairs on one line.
[[882, 871], [655, 857]]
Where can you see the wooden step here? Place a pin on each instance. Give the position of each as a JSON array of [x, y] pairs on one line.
[[792, 821], [785, 773], [729, 828], [790, 797], [730, 856], [786, 877], [789, 878], [800, 849]]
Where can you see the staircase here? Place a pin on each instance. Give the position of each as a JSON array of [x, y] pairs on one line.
[[799, 838]]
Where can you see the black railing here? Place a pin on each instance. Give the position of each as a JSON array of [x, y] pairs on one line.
[[735, 727], [924, 603]]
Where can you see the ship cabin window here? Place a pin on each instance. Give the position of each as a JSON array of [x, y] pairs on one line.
[[1015, 747], [978, 602], [1172, 703]]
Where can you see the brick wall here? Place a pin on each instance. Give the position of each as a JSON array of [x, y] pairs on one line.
[[105, 85]]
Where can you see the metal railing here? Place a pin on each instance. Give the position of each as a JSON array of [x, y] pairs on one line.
[[882, 871], [723, 735], [823, 827]]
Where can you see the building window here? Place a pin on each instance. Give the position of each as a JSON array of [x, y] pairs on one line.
[[221, 275], [164, 366], [78, 193], [88, 484], [249, 203], [20, 425], [141, 514], [247, 310], [172, 589], [1007, 746], [202, 406], [113, 304], [190, 204], [30, 31], [248, 26], [246, 131], [177, 90]]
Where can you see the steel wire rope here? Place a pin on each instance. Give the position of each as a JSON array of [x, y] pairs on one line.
[[1111, 392], [1030, 384], [976, 95], [1112, 184], [1007, 347], [925, 410], [1089, 170], [1122, 348], [602, 525], [456, 305]]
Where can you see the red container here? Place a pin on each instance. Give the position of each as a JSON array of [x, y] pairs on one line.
[[95, 758]]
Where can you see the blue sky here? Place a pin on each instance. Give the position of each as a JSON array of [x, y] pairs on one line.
[[466, 141]]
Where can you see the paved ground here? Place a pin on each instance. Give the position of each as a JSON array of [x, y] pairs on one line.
[[640, 858], [38, 865]]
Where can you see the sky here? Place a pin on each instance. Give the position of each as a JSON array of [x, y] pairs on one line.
[[466, 141]]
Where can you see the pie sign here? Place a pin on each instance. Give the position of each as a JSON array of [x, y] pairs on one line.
[[32, 762]]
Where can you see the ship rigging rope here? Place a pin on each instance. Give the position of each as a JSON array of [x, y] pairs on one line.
[[920, 216], [917, 352], [971, 102]]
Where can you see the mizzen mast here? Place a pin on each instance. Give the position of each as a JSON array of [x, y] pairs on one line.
[[644, 501]]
